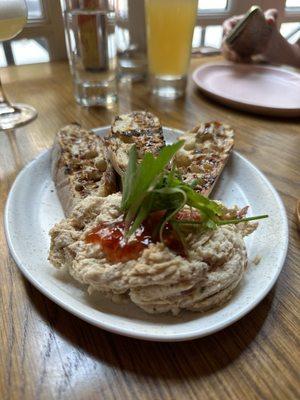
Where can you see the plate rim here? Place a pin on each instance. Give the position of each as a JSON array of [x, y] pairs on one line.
[[259, 108], [171, 337]]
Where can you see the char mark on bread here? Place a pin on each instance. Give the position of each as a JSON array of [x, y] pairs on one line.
[[204, 155], [140, 128]]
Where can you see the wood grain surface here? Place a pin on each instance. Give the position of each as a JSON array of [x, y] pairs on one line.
[[46, 353]]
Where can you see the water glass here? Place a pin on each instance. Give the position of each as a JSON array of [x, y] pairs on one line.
[[91, 42], [170, 27], [131, 39]]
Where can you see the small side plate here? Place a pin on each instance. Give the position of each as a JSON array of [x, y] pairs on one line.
[[260, 89]]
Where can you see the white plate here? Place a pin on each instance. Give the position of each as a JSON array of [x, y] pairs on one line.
[[260, 89], [33, 207]]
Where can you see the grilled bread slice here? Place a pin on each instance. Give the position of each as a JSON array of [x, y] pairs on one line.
[[141, 128], [204, 155], [80, 166]]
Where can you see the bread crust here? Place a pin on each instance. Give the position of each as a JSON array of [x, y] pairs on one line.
[[204, 155], [140, 128], [80, 166]]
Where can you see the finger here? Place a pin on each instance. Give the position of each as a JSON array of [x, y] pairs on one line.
[[233, 56], [227, 26], [229, 54], [230, 23], [271, 15]]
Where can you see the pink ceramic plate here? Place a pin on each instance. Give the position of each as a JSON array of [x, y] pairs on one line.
[[260, 89]]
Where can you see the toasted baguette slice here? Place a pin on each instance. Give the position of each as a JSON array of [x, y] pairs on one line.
[[204, 155], [80, 166], [141, 128]]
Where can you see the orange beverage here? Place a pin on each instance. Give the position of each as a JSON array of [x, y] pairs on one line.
[[170, 27], [11, 26]]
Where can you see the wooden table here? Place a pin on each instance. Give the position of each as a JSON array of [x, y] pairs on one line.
[[47, 353]]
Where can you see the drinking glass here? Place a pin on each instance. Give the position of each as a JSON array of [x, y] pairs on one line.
[[91, 42], [131, 39], [170, 27], [13, 17]]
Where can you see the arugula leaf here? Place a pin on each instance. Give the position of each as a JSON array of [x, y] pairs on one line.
[[199, 201], [220, 221], [171, 212], [168, 199], [195, 199], [148, 187], [145, 177], [144, 211], [238, 220], [129, 177]]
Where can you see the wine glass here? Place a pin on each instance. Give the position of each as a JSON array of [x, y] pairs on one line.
[[13, 17]]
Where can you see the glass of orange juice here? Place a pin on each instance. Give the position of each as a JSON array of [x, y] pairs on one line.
[[170, 27]]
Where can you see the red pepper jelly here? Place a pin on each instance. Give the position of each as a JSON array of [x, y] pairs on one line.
[[111, 237]]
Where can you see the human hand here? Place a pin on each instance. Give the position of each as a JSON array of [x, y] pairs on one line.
[[271, 18]]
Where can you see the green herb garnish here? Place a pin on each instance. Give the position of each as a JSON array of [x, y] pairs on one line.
[[140, 179], [148, 187]]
